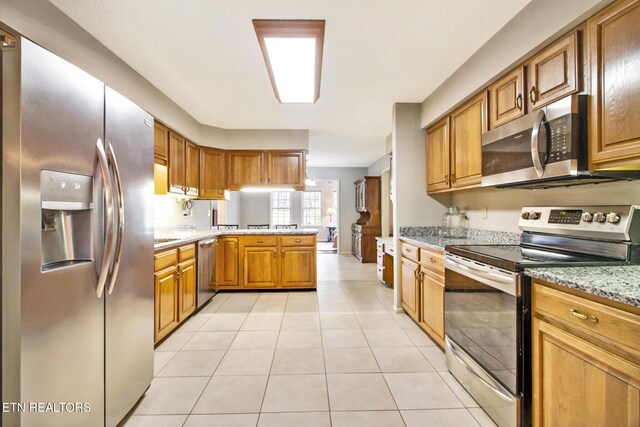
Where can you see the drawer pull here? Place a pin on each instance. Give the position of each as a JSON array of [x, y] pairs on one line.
[[408, 250], [297, 240], [259, 241], [432, 259], [576, 313]]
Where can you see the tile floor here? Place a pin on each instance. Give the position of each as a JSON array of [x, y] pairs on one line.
[[336, 357]]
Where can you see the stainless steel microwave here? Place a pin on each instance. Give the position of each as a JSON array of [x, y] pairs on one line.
[[545, 148]]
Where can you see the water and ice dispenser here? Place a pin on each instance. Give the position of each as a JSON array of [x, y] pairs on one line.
[[67, 204]]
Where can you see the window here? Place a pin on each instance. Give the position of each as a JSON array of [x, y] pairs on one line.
[[312, 208], [334, 200], [280, 207]]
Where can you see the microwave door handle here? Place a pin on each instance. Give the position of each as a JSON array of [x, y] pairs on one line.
[[109, 245], [120, 229], [535, 144]]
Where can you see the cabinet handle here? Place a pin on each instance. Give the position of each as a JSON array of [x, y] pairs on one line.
[[297, 240], [283, 252], [432, 259], [533, 95], [519, 102], [453, 177], [259, 241], [275, 253], [446, 179], [576, 313]]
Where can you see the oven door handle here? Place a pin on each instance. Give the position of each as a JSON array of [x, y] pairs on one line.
[[535, 143], [452, 348], [504, 282]]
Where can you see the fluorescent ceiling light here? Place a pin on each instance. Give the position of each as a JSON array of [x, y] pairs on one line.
[[292, 51], [264, 189]]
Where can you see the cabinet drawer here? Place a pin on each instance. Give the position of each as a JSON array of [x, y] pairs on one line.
[[165, 259], [380, 258], [379, 246], [589, 317], [298, 240], [380, 271], [389, 249], [260, 240], [409, 251], [432, 260], [186, 252]]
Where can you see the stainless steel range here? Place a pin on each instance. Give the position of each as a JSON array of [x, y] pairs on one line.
[[487, 297]]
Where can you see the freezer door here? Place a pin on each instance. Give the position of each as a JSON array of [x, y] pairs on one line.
[[61, 318], [129, 298]]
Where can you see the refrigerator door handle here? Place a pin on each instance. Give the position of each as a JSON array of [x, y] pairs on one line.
[[120, 228], [109, 244]]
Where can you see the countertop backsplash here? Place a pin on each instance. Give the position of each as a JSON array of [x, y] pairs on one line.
[[496, 237]]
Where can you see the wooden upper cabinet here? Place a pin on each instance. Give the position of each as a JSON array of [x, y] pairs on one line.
[[160, 143], [245, 168], [437, 141], [554, 72], [212, 174], [177, 163], [614, 49], [286, 168], [192, 169], [468, 123], [506, 98]]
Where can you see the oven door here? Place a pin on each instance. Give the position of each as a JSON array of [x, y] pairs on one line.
[[516, 151], [484, 335]]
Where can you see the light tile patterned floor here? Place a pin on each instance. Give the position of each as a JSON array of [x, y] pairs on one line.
[[336, 357]]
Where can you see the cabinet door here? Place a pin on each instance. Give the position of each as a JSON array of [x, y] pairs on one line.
[[260, 267], [212, 174], [160, 143], [227, 262], [614, 43], [553, 73], [409, 287], [506, 100], [244, 169], [177, 162], [437, 140], [188, 289], [467, 125], [298, 267], [166, 302], [286, 169], [576, 383], [432, 305], [192, 172]]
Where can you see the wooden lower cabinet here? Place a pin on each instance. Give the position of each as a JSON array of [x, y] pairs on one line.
[[187, 289], [175, 288], [260, 267], [227, 263], [298, 267], [409, 287], [432, 304], [166, 302], [580, 377]]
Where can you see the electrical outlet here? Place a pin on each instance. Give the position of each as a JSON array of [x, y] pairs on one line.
[[484, 212]]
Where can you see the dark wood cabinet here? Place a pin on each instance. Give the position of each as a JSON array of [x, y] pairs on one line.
[[368, 226], [192, 169], [160, 144]]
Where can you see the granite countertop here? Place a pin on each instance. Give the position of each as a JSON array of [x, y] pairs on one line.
[[387, 240], [617, 283], [190, 237], [439, 242]]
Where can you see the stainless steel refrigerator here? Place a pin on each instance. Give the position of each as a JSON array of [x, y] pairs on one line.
[[77, 244]]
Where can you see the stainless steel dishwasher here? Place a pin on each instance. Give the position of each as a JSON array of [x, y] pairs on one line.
[[206, 270]]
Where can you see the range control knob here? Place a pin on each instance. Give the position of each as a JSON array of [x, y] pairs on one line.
[[587, 217], [525, 215], [613, 217], [534, 215], [599, 217]]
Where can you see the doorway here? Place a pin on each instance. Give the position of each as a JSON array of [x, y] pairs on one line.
[[320, 207]]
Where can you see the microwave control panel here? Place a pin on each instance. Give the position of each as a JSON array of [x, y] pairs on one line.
[[560, 138]]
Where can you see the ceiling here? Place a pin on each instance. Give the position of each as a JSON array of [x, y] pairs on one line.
[[204, 55]]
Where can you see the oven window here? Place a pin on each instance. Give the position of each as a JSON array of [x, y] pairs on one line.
[[507, 154], [483, 321]]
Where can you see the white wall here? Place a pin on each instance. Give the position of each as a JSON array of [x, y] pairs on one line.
[[380, 165], [168, 212], [347, 199], [504, 205], [535, 25]]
